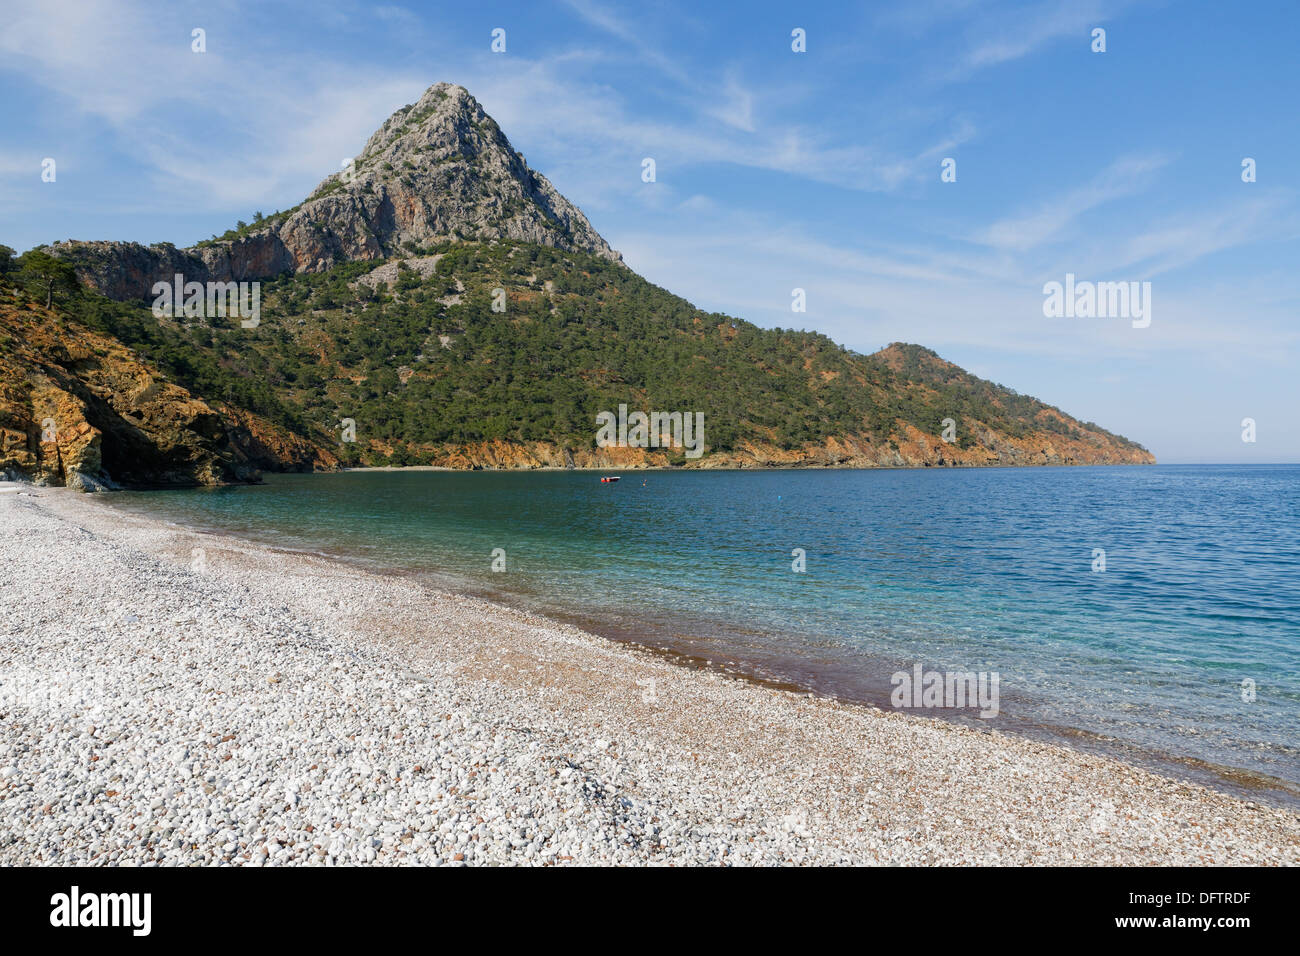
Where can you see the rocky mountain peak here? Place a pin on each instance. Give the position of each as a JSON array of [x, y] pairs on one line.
[[435, 170], [445, 115], [441, 168]]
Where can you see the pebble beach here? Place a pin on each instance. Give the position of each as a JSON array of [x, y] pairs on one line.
[[170, 697]]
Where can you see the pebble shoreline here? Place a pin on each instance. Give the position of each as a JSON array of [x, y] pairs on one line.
[[169, 697]]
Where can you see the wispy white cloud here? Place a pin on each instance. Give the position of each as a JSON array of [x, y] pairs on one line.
[[735, 105], [1187, 237], [603, 17], [1007, 34], [952, 299], [17, 162], [1050, 219], [273, 129], [705, 99], [852, 139]]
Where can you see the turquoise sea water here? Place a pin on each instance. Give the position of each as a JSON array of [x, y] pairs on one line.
[[962, 570]]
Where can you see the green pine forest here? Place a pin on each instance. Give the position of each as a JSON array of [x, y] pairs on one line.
[[429, 362]]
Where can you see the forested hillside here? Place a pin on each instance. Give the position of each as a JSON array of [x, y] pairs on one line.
[[438, 302], [413, 352]]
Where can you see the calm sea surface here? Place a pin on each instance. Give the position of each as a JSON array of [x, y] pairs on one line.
[[960, 570]]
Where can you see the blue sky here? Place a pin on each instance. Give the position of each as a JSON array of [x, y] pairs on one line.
[[775, 169]]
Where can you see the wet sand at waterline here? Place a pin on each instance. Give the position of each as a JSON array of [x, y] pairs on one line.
[[181, 697]]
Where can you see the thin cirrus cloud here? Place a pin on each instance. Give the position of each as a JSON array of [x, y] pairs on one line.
[[597, 138], [1169, 245], [283, 124], [264, 131], [736, 105], [17, 162], [1025, 30], [839, 150], [955, 295], [605, 19], [1052, 218], [797, 149], [1188, 237]]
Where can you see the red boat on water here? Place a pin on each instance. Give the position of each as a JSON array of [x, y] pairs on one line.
[[611, 478]]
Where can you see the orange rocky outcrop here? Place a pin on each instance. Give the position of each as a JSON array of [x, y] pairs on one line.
[[78, 408]]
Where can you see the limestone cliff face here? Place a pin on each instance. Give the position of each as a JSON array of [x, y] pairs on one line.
[[438, 169], [78, 408]]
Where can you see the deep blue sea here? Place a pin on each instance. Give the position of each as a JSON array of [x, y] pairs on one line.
[[991, 570]]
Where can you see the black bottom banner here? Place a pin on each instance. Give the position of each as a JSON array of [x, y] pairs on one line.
[[341, 905]]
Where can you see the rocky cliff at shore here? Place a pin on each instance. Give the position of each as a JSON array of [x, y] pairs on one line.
[[79, 409]]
